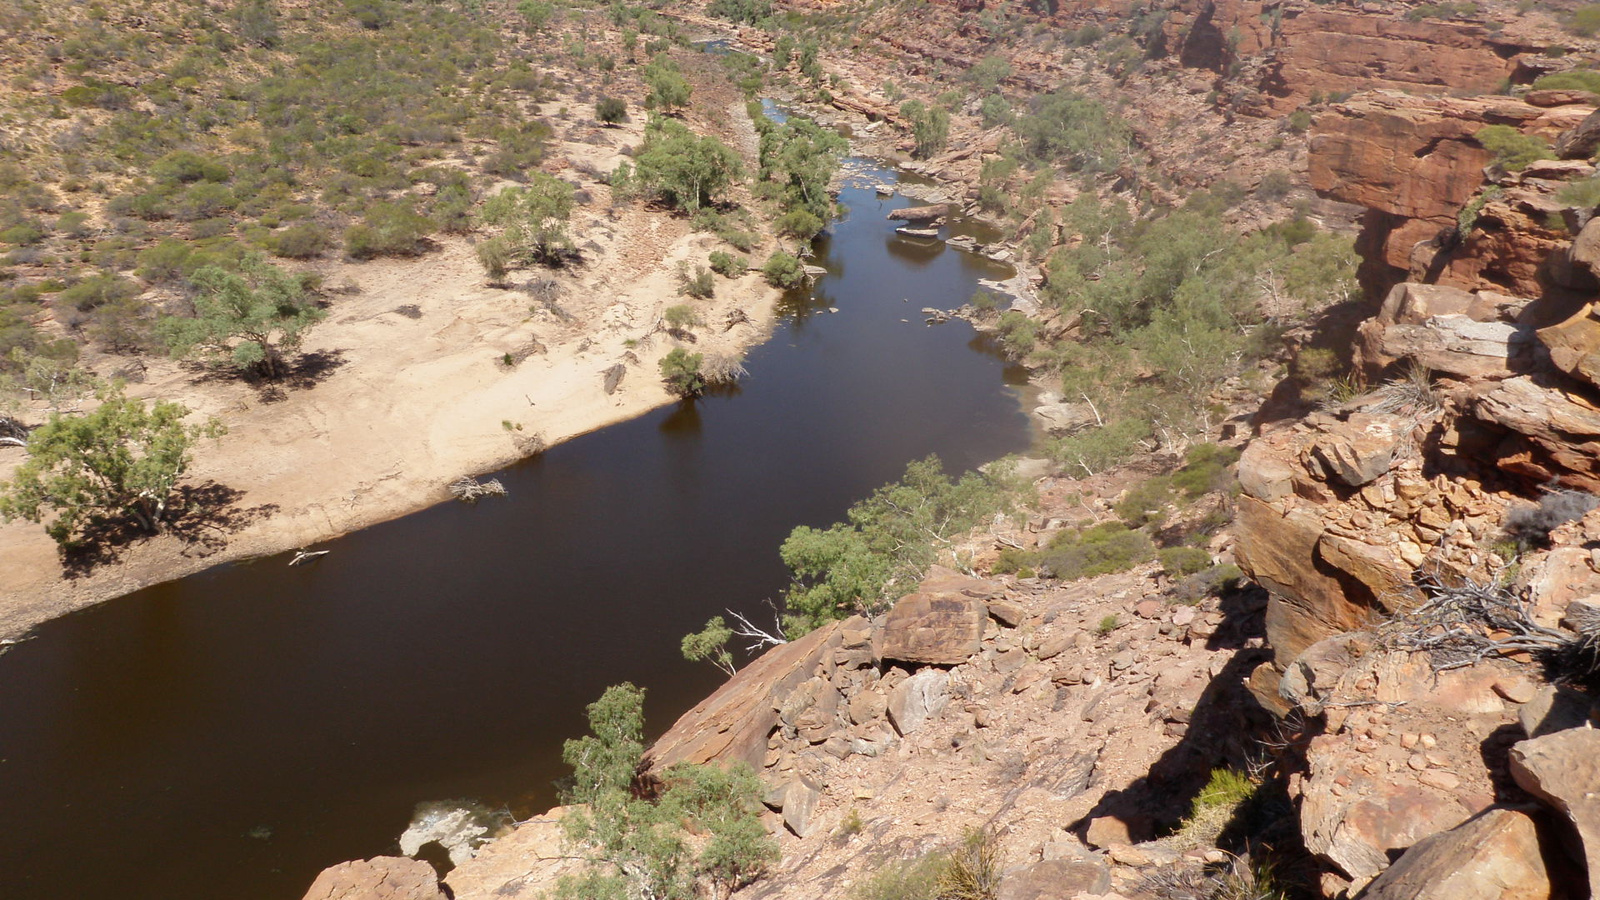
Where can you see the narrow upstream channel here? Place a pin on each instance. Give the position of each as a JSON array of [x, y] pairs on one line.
[[230, 734]]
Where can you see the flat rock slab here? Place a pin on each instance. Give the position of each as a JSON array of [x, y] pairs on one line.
[[379, 878], [1563, 770], [940, 629], [733, 723], [1054, 878]]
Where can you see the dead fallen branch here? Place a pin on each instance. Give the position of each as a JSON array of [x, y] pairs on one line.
[[470, 490]]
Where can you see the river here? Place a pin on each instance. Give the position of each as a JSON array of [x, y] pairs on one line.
[[230, 734]]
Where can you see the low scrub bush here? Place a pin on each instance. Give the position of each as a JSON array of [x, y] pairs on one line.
[[699, 285], [728, 265], [1575, 80], [1530, 526], [1145, 503], [390, 229], [1205, 469], [1512, 149], [1098, 550], [1179, 561], [1211, 582], [300, 241]]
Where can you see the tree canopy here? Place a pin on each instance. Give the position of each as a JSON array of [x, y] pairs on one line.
[[247, 318], [800, 158], [888, 540], [122, 459], [700, 833], [533, 223], [683, 169], [669, 90]]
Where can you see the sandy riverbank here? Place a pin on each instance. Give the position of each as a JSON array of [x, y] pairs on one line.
[[416, 392]]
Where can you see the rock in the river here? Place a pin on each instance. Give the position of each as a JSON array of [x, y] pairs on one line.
[[460, 829], [379, 878], [921, 213]]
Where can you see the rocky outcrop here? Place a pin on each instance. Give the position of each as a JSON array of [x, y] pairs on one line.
[[522, 865], [1414, 164], [734, 723], [1563, 770], [379, 878], [1495, 855], [1282, 52]]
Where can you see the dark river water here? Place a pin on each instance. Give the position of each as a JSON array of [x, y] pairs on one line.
[[230, 734]]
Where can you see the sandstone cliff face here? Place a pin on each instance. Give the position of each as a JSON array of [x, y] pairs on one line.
[[1283, 52], [1414, 164]]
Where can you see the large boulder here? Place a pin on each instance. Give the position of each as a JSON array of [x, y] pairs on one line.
[[1361, 832], [1493, 856], [1557, 431], [941, 624], [1362, 451], [919, 698], [379, 878], [1563, 770], [1574, 344], [734, 723], [1581, 140], [522, 865], [1309, 597]]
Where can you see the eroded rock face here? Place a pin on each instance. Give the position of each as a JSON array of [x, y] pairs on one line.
[[1563, 770], [1414, 163], [1495, 855], [733, 723], [379, 878]]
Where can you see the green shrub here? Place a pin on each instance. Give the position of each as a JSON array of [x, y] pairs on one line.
[[1180, 561], [799, 223], [187, 167], [1145, 503], [1207, 583], [1107, 625], [98, 290], [728, 265], [680, 370], [1583, 194], [996, 110], [1585, 20], [1512, 149], [1575, 80], [390, 229], [1100, 550], [22, 235], [610, 110], [1215, 806], [165, 261], [783, 270], [300, 241], [887, 540], [1018, 334], [1205, 469], [700, 285]]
